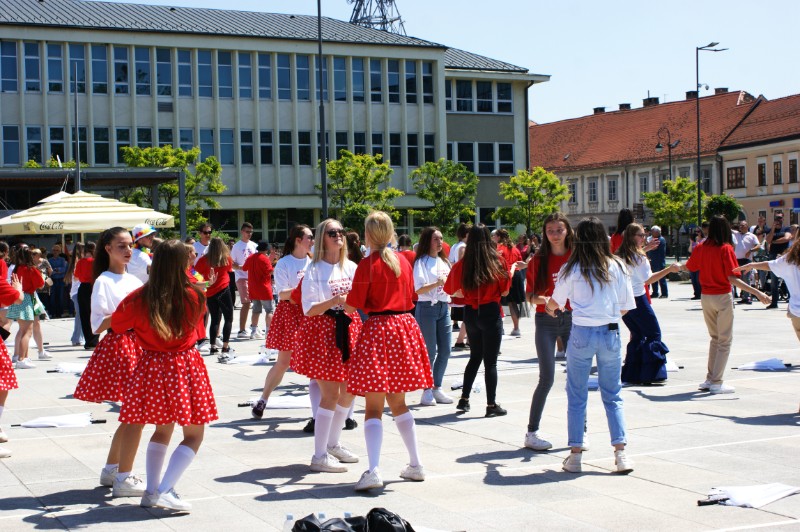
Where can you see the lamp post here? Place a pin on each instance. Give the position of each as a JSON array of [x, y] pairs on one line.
[[670, 145], [324, 162], [707, 48]]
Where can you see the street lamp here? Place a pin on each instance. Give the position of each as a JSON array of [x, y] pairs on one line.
[[324, 162], [707, 48], [670, 145]]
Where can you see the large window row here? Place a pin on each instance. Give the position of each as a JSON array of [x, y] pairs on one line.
[[483, 158], [147, 71], [478, 96]]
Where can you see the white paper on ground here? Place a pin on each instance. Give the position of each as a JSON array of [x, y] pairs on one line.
[[252, 360], [67, 420], [770, 364], [71, 367], [671, 366], [754, 496], [285, 401]]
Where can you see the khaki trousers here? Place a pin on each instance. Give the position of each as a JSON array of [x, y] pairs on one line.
[[795, 323], [718, 313]]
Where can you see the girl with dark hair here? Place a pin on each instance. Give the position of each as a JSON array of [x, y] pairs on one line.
[[598, 288], [431, 269], [715, 259], [10, 294], [111, 365], [84, 273], [515, 265], [481, 278], [354, 252], [216, 266], [31, 279], [455, 254], [74, 285], [624, 219], [289, 270], [541, 276], [170, 383]]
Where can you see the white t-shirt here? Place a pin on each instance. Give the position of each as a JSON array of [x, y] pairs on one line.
[[639, 273], [743, 243], [454, 251], [239, 253], [322, 281], [428, 270], [200, 249], [138, 265], [73, 291], [289, 272], [599, 307], [108, 292], [790, 274]]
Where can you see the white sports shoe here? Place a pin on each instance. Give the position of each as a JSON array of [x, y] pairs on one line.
[[108, 476], [369, 480], [704, 386], [427, 398], [256, 334], [441, 397], [623, 463], [44, 355], [415, 473], [172, 501], [533, 441], [327, 464], [3, 437], [721, 388], [25, 363], [243, 335], [132, 486], [343, 454], [572, 463], [5, 453], [149, 499]]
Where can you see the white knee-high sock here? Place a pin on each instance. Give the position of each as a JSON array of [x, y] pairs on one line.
[[351, 410], [337, 425], [315, 396], [154, 463], [1, 410], [322, 427], [407, 428], [373, 434], [181, 457]]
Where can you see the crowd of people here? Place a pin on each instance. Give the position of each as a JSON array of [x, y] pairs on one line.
[[373, 318]]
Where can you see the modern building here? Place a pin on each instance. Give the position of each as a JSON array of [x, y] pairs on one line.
[[243, 87]]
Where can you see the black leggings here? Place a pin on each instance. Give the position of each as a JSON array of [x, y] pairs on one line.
[[85, 310], [484, 330], [220, 305]]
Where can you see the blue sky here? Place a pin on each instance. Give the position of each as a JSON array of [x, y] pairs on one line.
[[600, 53]]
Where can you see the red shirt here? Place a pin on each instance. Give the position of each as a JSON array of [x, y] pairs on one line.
[[83, 270], [554, 264], [377, 289], [616, 242], [716, 264], [411, 257], [3, 270], [223, 275], [296, 297], [259, 277], [31, 278], [8, 296], [132, 313], [446, 248], [489, 293], [511, 255]]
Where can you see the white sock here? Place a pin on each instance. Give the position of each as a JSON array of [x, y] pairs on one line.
[[122, 476], [181, 457], [154, 462], [337, 425], [109, 467], [315, 395], [373, 434], [351, 410], [407, 428], [322, 427], [1, 410]]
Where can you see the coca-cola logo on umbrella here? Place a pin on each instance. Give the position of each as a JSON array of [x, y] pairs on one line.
[[157, 222], [51, 226]]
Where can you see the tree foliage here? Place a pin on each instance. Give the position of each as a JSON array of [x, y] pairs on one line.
[[450, 188], [536, 193], [358, 184], [675, 205], [722, 204]]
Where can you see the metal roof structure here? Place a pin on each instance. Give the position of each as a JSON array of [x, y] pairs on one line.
[[462, 60]]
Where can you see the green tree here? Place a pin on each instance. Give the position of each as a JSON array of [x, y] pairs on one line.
[[674, 206], [451, 190], [536, 193], [722, 204], [358, 184], [203, 181]]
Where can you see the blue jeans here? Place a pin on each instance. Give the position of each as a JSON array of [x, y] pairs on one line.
[[584, 343], [56, 298], [77, 330], [661, 283], [437, 330]]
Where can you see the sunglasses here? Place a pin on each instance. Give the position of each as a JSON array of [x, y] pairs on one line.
[[206, 232], [333, 233]]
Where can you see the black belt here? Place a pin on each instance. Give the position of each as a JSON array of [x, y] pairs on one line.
[[389, 313], [613, 326], [342, 331]]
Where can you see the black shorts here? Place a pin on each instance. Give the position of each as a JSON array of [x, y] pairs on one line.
[[457, 313]]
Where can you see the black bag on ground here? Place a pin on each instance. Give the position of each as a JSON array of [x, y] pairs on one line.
[[382, 520], [310, 523]]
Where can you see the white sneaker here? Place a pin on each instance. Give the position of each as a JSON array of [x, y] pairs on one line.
[[343, 454], [243, 335], [44, 355], [515, 332], [427, 398], [624, 465], [561, 355], [25, 363], [369, 480], [327, 464], [721, 388], [441, 397], [149, 500], [132, 486], [218, 342], [585, 444], [172, 501], [533, 441], [704, 386], [108, 476], [415, 473], [3, 437], [572, 463], [5, 453], [256, 334], [204, 347]]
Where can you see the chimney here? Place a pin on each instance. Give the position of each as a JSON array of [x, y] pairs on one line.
[[624, 107], [691, 95], [647, 102], [599, 110], [721, 90]]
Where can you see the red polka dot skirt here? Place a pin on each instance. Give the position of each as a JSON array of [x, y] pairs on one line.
[[8, 379], [284, 325], [109, 369], [315, 354], [390, 357], [169, 387]]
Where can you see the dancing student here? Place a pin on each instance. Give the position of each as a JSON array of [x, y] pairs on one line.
[[390, 358], [170, 383], [433, 310], [83, 273], [289, 270], [598, 287], [715, 259], [324, 341], [259, 285], [455, 254], [481, 278], [541, 276], [111, 365], [217, 264], [624, 219], [515, 265], [10, 294], [31, 279]]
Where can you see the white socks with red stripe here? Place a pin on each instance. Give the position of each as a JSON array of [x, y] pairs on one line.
[[373, 434], [407, 428], [322, 428], [181, 457]]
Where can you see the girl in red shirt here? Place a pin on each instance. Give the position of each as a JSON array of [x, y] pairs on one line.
[[390, 358], [259, 284], [170, 383], [83, 273], [31, 279], [513, 258], [9, 295], [481, 278], [216, 266]]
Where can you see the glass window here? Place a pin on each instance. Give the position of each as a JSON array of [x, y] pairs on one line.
[[375, 80], [11, 146], [792, 170], [33, 143], [612, 190], [284, 78], [466, 155], [464, 95], [186, 138], [413, 149], [484, 93], [33, 76], [395, 149], [121, 70], [358, 79], [8, 67], [165, 137], [377, 145], [55, 68], [57, 148], [246, 146], [184, 73], [486, 158], [762, 174], [99, 70], [777, 173], [266, 146], [394, 80], [264, 76], [341, 143], [82, 143], [450, 152], [123, 141], [144, 137], [141, 57], [360, 143], [593, 191], [430, 148], [504, 98], [427, 82], [226, 146], [735, 177], [205, 74], [340, 79], [245, 77], [285, 150], [411, 82], [304, 148], [77, 63], [505, 158], [448, 95], [206, 143], [324, 78], [225, 74], [102, 146], [643, 184], [303, 79], [573, 193], [164, 71]]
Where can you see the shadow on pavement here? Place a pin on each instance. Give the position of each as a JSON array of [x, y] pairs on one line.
[[685, 396], [494, 472], [263, 429], [791, 419]]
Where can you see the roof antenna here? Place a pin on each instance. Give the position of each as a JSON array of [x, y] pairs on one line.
[[377, 14]]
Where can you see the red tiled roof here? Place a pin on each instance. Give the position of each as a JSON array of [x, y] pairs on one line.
[[770, 121], [621, 138]]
